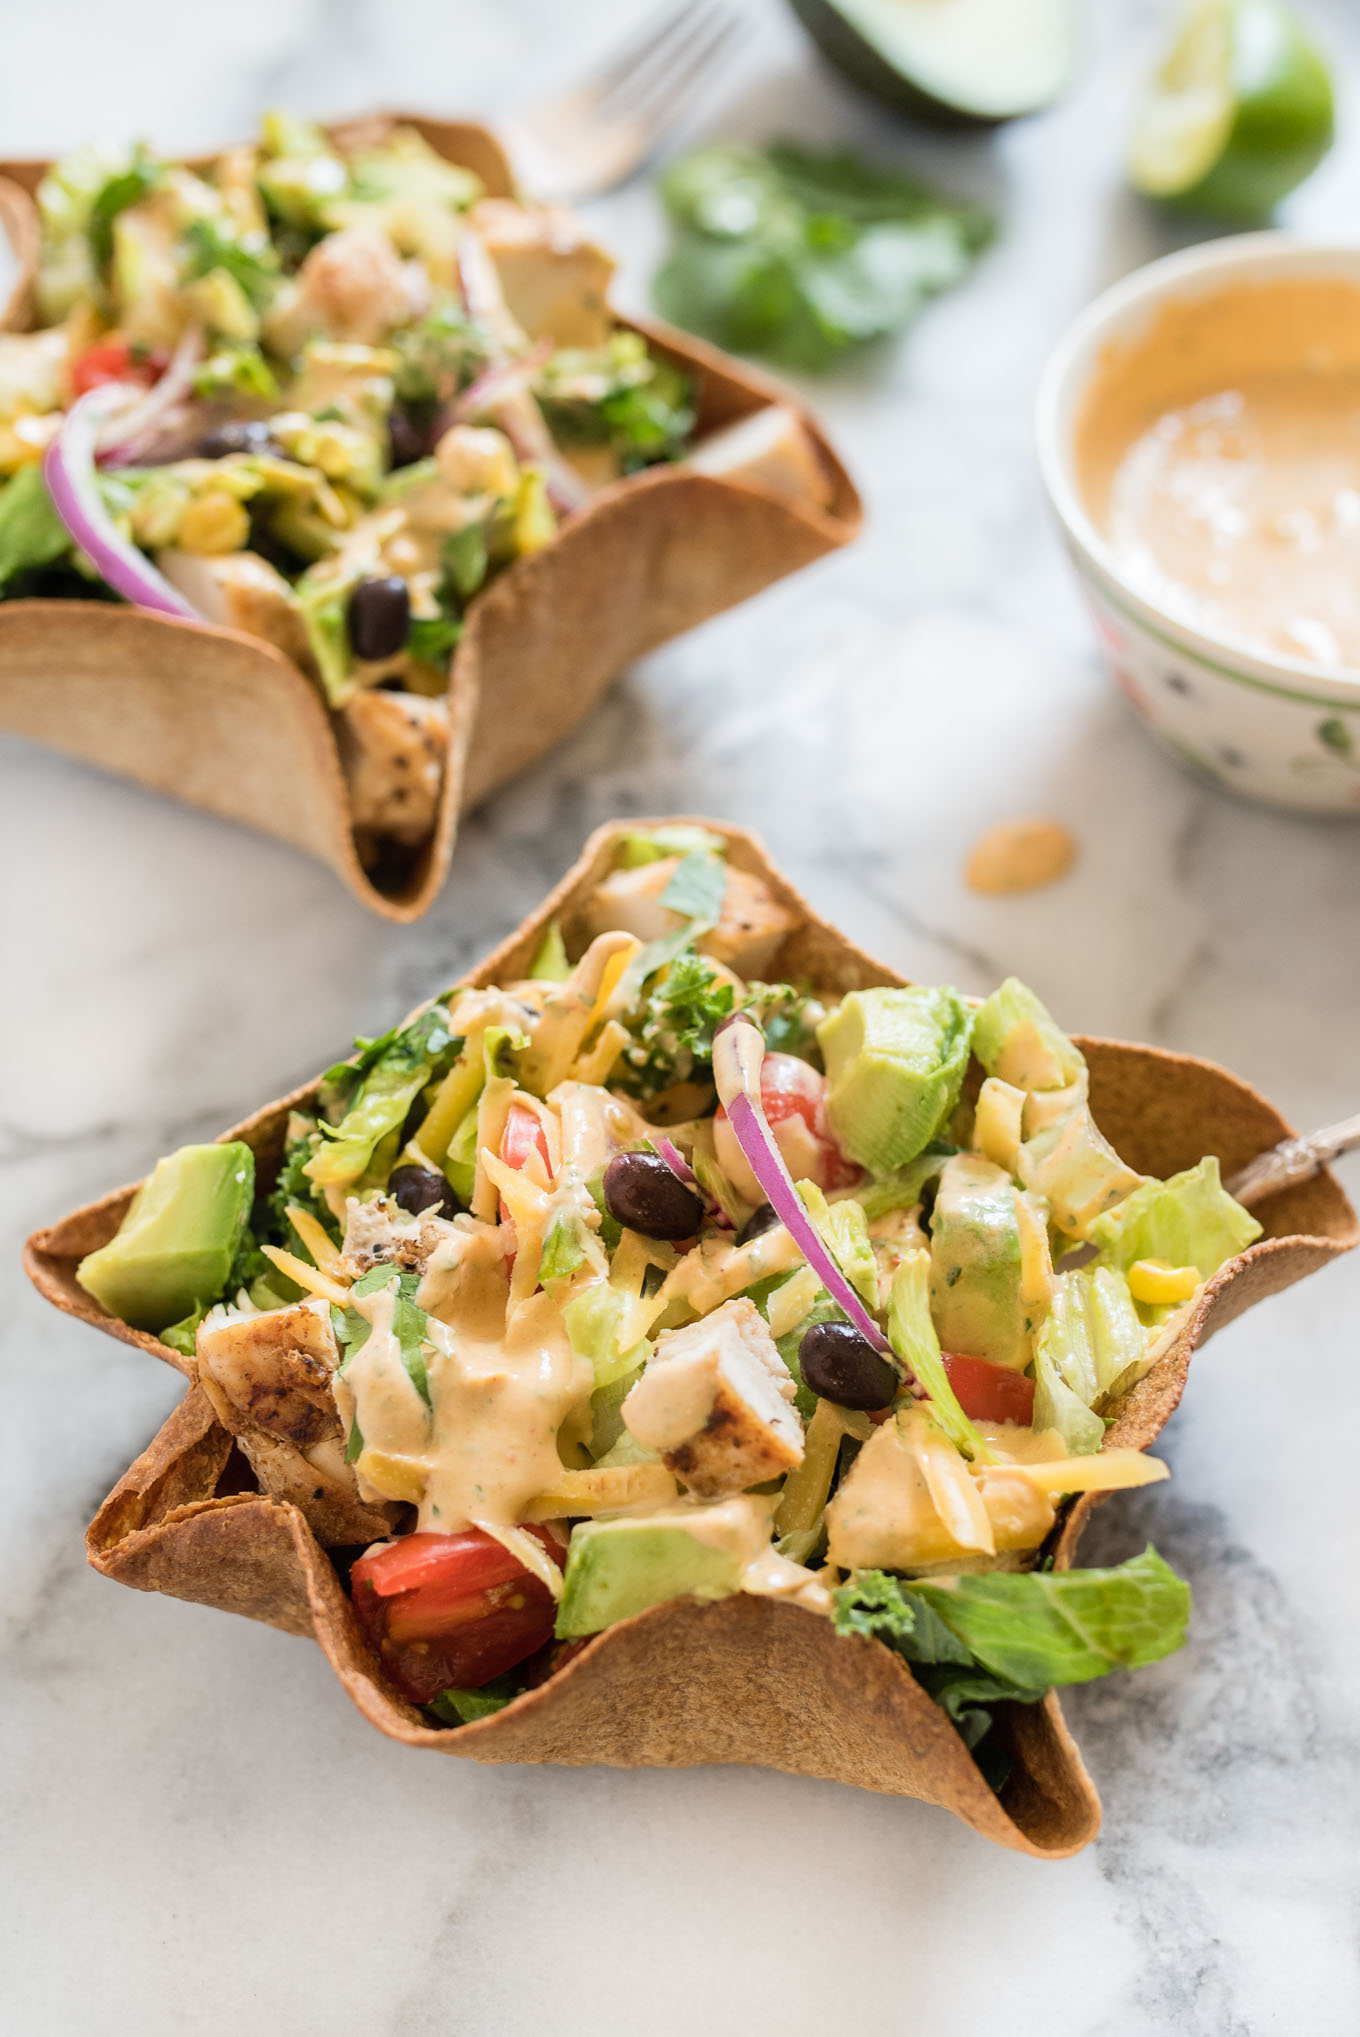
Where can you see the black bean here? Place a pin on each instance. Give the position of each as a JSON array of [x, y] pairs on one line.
[[238, 435], [418, 1189], [762, 1219], [408, 440], [642, 1194], [841, 1365], [379, 617]]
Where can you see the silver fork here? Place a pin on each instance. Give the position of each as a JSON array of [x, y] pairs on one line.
[[594, 135]]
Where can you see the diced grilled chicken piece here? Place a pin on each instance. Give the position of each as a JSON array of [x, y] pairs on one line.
[[239, 590], [748, 933], [393, 746], [352, 286], [380, 1233], [554, 280], [716, 1403], [477, 460], [772, 450], [273, 1371], [268, 1378], [34, 370]]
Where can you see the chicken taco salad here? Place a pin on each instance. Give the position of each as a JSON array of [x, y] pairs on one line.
[[323, 391], [649, 1275]]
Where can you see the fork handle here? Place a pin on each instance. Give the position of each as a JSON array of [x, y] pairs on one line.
[[1294, 1160]]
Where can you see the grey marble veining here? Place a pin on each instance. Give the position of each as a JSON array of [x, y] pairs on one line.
[[200, 1834]]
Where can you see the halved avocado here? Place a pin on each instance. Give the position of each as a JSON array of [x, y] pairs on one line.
[[951, 61]]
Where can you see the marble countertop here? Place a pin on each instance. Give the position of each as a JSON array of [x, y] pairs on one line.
[[201, 1835]]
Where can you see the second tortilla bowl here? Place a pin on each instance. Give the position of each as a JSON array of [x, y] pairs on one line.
[[741, 1680], [225, 721]]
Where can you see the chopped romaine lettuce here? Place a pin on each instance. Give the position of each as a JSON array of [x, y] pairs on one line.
[[912, 1335], [844, 1232], [32, 535], [398, 1069], [462, 1707], [1092, 1345], [1047, 1627], [564, 1249], [550, 964], [650, 845], [979, 1639], [1190, 1220]]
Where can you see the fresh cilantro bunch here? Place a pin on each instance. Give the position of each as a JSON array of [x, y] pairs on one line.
[[801, 255], [672, 1028]]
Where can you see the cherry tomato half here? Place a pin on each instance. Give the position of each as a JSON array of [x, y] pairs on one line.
[[793, 1098], [116, 360], [451, 1611], [990, 1393]]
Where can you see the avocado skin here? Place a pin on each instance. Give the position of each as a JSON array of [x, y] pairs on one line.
[[851, 53], [618, 1568], [175, 1247]]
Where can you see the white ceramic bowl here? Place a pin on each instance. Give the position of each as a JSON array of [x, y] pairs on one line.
[[1273, 728]]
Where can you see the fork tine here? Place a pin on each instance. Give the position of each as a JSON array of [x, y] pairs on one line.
[[661, 100], [650, 41], [708, 27]]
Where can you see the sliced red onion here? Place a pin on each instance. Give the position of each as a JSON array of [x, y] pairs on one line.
[[677, 1163], [498, 379], [70, 479], [520, 418], [483, 298], [127, 436], [738, 1052]]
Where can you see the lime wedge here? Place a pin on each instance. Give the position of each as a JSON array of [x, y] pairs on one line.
[[1238, 115]]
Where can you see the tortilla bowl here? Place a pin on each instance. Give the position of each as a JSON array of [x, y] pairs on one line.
[[224, 721], [744, 1680]]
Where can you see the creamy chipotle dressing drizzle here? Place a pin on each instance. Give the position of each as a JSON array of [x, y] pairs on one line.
[[501, 1384], [1220, 456]]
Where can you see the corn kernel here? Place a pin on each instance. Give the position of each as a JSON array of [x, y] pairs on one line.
[[213, 522], [1154, 1281]]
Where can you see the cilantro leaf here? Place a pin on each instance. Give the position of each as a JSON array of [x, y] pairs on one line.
[[696, 889], [801, 255], [129, 187], [672, 1027], [250, 261], [353, 1329]]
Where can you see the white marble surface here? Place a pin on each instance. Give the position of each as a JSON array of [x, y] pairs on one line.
[[200, 1835]]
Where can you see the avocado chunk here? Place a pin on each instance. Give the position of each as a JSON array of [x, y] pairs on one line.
[[895, 1061], [977, 1264], [618, 1568], [1015, 1038], [955, 62], [175, 1247]]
